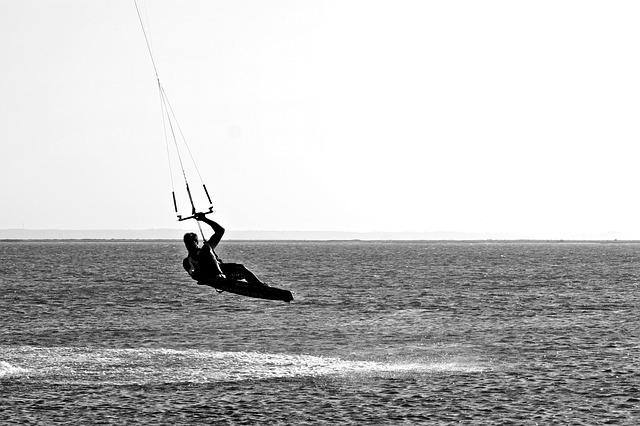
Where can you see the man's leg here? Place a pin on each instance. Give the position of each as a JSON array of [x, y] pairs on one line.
[[238, 272]]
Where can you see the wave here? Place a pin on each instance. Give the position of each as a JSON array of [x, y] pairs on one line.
[[144, 366]]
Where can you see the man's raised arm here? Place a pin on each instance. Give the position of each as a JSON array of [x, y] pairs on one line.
[[218, 231]]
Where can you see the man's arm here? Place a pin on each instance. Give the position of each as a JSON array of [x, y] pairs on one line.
[[218, 231]]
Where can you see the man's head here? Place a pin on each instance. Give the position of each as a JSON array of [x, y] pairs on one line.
[[190, 241]]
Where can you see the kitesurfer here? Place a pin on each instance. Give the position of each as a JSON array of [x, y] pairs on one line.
[[203, 263]]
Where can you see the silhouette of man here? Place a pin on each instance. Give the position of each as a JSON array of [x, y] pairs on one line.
[[202, 263]]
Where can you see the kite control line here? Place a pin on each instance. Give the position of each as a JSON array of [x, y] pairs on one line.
[[168, 117]]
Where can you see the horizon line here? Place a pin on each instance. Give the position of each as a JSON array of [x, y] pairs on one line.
[[173, 233]]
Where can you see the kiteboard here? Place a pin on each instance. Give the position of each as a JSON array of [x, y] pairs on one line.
[[243, 288]]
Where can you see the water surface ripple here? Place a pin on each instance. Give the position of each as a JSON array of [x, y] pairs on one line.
[[113, 332]]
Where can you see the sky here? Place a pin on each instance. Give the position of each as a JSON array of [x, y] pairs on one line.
[[507, 118]]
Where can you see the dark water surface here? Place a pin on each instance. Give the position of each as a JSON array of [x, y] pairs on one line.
[[378, 333]]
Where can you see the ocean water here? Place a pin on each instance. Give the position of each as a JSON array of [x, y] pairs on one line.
[[379, 333]]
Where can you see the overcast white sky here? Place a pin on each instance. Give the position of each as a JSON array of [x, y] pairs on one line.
[[509, 117]]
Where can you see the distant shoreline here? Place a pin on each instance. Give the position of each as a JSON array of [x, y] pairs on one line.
[[335, 242], [329, 241], [176, 234]]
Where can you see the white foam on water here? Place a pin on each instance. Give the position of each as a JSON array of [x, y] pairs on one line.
[[7, 370], [141, 366]]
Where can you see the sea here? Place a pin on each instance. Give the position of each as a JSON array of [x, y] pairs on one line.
[[379, 333]]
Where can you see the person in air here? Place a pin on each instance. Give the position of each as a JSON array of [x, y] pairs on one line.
[[203, 263]]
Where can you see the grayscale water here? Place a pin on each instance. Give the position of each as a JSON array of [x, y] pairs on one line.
[[378, 333]]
